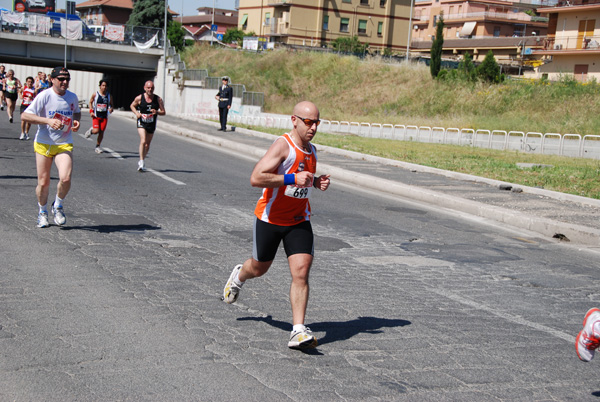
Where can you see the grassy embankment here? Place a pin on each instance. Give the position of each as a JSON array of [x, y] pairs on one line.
[[349, 89]]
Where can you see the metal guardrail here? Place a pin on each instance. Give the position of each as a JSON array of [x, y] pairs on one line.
[[253, 99], [194, 75], [130, 33], [570, 145], [239, 91]]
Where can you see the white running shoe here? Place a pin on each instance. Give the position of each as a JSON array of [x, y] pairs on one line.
[[42, 220], [59, 215], [26, 137], [98, 150], [22, 136], [141, 166], [588, 339], [88, 133], [231, 290], [302, 339]]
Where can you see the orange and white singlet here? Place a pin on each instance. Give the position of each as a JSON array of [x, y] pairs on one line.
[[288, 205]]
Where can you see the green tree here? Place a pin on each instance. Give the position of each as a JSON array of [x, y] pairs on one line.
[[489, 70], [466, 68], [148, 13], [233, 35], [349, 45], [436, 48], [176, 35]]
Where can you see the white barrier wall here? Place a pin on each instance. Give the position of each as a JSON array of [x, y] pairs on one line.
[[83, 83]]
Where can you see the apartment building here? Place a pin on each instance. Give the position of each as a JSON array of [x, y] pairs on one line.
[[101, 12], [573, 42], [505, 27], [382, 24]]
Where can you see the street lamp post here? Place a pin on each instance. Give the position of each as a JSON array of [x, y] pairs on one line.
[[409, 30], [212, 24], [165, 52], [66, 32]]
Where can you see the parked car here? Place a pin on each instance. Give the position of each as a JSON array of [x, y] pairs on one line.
[[87, 33], [98, 31]]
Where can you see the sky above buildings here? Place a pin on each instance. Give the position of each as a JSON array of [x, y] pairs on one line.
[[188, 7]]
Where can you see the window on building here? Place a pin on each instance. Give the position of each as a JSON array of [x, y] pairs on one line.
[[344, 23], [435, 17], [364, 2], [267, 18], [362, 26], [380, 28], [346, 1], [496, 31], [381, 3], [244, 22], [325, 22]]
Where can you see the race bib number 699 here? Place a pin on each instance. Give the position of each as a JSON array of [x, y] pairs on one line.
[[297, 192]]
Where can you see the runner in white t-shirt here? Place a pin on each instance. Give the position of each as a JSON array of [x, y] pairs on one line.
[[57, 113]]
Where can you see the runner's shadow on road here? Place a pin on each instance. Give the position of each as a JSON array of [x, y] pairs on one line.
[[112, 228], [338, 330], [18, 177], [177, 171]]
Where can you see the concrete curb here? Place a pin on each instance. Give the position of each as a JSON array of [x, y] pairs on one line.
[[546, 227]]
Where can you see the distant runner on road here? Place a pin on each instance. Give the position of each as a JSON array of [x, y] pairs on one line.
[[101, 105], [147, 107]]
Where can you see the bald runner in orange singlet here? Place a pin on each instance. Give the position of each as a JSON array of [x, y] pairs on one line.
[[287, 175]]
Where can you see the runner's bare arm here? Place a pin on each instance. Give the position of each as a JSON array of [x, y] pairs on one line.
[[136, 102], [263, 174], [161, 107], [76, 119], [35, 119]]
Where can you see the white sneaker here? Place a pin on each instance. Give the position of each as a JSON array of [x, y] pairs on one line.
[[141, 166], [26, 137], [588, 339], [42, 220], [303, 339], [98, 150], [22, 136], [231, 291], [88, 133], [59, 215]]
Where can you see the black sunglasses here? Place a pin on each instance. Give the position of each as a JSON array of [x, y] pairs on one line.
[[61, 79], [309, 122]]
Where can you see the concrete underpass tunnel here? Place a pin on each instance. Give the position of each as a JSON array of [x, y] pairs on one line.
[[124, 87]]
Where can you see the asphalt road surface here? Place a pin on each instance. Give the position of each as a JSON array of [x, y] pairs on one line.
[[408, 303]]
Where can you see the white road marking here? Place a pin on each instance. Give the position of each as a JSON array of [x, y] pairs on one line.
[[159, 174], [113, 153], [506, 316], [164, 176]]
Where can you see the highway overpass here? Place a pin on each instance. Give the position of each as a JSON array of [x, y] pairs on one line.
[[123, 66]]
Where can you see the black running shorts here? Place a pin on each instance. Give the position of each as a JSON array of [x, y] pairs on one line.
[[297, 239]]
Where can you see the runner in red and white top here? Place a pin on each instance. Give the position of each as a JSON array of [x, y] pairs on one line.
[[27, 95], [287, 173]]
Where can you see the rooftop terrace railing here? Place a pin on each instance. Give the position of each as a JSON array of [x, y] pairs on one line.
[[572, 43]]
